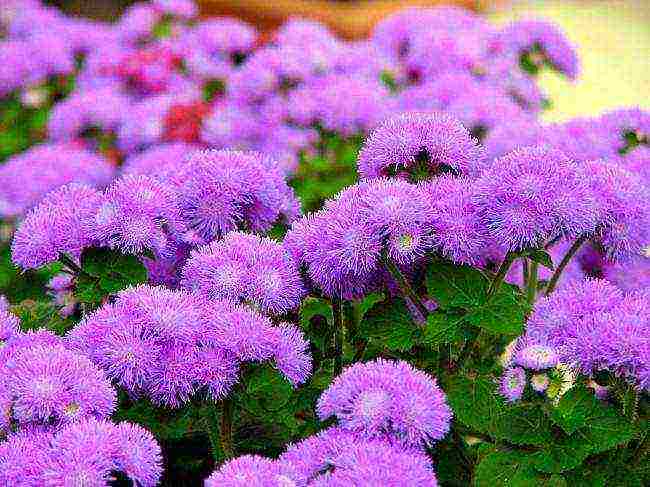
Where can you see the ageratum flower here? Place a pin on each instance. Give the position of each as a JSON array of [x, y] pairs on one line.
[[436, 94], [52, 386], [458, 233], [637, 161], [512, 134], [100, 108], [153, 161], [540, 382], [581, 139], [223, 190], [384, 398], [628, 126], [185, 9], [9, 326], [248, 268], [540, 43], [512, 384], [337, 457], [624, 199], [167, 345], [593, 327], [22, 455], [56, 226], [137, 213], [419, 145], [253, 471], [632, 275], [534, 195], [27, 177], [89, 452], [533, 354]]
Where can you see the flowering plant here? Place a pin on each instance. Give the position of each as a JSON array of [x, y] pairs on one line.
[[316, 262]]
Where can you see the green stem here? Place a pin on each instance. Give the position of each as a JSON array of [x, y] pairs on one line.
[[552, 284], [405, 287], [225, 428], [67, 261], [531, 285], [337, 313], [495, 285], [525, 271]]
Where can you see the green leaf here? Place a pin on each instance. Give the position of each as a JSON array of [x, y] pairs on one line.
[[563, 454], [474, 402], [37, 315], [522, 424], [266, 391], [443, 328], [391, 323], [541, 257], [463, 287], [512, 469], [106, 272], [576, 407], [316, 319]]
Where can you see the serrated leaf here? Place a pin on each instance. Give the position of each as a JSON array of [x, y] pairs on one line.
[[511, 469], [319, 332], [464, 287], [391, 323], [266, 391], [522, 424], [562, 455], [474, 402], [442, 328]]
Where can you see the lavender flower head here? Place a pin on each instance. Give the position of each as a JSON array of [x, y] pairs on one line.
[[637, 161], [246, 268], [533, 195], [253, 471], [594, 327], [419, 145], [381, 398], [178, 8], [22, 455], [154, 161], [628, 126], [9, 325], [27, 177], [223, 190], [624, 199], [541, 43], [512, 384], [581, 139], [167, 345], [458, 233], [631, 275], [436, 94], [100, 108], [532, 354], [90, 451], [56, 226], [513, 134], [52, 386], [137, 213], [337, 457]]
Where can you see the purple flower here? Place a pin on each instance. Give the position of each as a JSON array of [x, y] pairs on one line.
[[594, 327], [90, 451], [337, 457], [388, 398], [246, 268], [540, 42], [9, 326], [512, 134], [178, 8], [533, 195], [27, 177], [52, 386], [419, 145], [624, 200], [253, 471], [458, 233], [540, 382], [581, 139], [633, 275], [628, 126], [155, 160], [637, 161], [436, 94], [137, 213], [512, 384], [56, 226], [534, 354], [21, 458], [222, 190], [100, 108]]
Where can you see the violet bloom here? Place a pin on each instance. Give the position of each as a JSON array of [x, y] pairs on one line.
[[337, 457], [533, 354], [27, 177], [513, 134], [534, 195], [581, 139], [137, 213], [22, 456], [185, 9], [628, 126], [437, 94], [512, 384], [246, 268], [52, 386], [632, 275], [419, 144], [384, 398], [458, 233], [9, 324], [540, 43], [98, 109], [90, 452], [154, 161], [223, 190], [56, 226], [167, 345], [637, 161], [624, 199], [253, 471]]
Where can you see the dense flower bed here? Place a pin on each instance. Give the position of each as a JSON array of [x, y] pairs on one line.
[[313, 262]]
